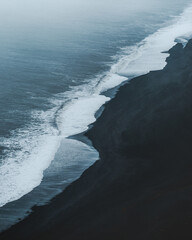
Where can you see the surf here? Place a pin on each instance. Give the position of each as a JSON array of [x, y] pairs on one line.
[[31, 150]]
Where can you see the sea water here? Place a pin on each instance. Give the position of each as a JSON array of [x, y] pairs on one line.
[[58, 58]]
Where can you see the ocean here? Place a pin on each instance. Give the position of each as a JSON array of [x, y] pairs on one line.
[[58, 63]]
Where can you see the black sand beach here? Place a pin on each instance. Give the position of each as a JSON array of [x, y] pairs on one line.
[[141, 188]]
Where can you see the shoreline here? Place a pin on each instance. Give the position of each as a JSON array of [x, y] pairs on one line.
[[26, 203], [126, 62], [13, 212], [141, 186]]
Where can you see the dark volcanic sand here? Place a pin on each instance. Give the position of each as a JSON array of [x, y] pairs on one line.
[[141, 189]]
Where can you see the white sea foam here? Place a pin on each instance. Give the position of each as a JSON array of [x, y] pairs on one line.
[[20, 174], [30, 150], [76, 116], [148, 54]]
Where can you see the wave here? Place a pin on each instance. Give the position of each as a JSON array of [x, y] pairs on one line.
[[29, 151]]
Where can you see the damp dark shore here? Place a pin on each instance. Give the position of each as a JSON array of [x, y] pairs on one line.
[[141, 188]]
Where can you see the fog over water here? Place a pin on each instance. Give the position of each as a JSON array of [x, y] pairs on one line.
[[46, 13]]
